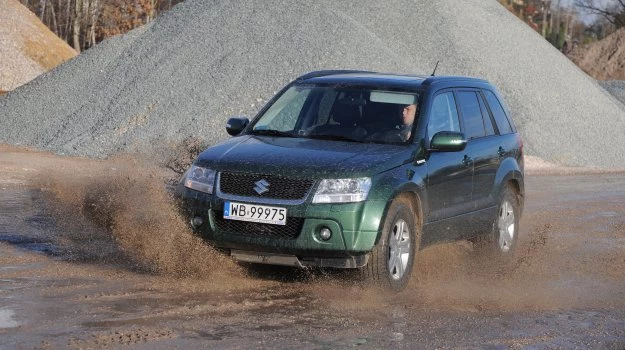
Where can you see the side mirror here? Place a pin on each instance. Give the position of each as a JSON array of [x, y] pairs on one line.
[[236, 124], [448, 141]]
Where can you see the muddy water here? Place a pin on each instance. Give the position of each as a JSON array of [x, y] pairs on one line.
[[92, 254]]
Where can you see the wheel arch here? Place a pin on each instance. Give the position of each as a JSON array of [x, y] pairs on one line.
[[417, 196], [510, 174]]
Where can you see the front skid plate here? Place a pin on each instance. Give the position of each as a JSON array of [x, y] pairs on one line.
[[291, 260], [266, 258]]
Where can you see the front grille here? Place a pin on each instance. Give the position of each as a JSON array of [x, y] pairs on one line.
[[289, 231], [240, 184]]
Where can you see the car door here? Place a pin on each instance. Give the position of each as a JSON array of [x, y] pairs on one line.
[[450, 174], [482, 148]]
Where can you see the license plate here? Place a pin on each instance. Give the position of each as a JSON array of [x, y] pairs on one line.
[[255, 213]]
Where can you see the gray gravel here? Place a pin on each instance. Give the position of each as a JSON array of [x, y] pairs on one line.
[[189, 70], [615, 87]]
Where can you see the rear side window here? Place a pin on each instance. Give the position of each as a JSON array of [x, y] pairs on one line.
[[500, 116], [488, 122], [444, 115], [471, 114]]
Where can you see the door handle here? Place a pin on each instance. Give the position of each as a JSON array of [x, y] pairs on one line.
[[501, 152], [467, 161]]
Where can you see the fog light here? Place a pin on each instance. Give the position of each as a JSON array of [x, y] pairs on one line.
[[325, 233], [197, 222]]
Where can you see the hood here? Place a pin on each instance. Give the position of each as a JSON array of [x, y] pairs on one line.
[[304, 158]]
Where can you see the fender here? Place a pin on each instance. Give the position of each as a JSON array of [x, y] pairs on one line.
[[396, 179], [509, 170]]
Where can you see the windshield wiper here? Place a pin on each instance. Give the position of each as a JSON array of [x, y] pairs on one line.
[[270, 132], [333, 137]]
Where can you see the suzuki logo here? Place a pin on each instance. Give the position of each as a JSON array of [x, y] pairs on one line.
[[262, 186]]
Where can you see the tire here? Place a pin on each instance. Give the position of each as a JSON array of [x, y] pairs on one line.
[[502, 242], [391, 261]]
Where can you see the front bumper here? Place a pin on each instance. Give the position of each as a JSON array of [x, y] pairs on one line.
[[355, 229]]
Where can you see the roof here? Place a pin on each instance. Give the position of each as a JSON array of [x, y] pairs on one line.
[[354, 77]]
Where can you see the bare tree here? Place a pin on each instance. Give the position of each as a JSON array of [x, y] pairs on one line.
[[76, 24], [613, 11], [43, 9], [54, 24], [84, 23], [92, 15], [545, 10]]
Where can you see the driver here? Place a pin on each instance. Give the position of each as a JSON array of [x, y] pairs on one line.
[[407, 117], [396, 132]]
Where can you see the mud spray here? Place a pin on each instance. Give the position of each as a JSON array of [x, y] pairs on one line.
[[567, 258], [119, 212], [457, 277]]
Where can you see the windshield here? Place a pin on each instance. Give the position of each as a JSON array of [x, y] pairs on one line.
[[341, 113]]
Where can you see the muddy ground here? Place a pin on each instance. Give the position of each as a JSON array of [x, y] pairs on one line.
[[93, 254]]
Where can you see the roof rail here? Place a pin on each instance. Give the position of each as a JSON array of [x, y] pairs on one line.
[[321, 73], [430, 80]]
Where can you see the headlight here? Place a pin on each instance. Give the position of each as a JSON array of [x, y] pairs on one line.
[[342, 190], [200, 179]]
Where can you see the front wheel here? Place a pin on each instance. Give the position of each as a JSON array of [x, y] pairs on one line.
[[391, 261]]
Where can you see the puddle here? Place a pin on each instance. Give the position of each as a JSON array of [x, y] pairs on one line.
[[603, 244], [601, 214], [11, 182], [23, 223], [6, 319], [33, 244]]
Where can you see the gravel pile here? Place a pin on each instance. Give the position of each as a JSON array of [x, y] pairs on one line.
[[615, 87], [187, 72]]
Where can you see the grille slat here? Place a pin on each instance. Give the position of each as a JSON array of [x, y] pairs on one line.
[[240, 184], [291, 230]]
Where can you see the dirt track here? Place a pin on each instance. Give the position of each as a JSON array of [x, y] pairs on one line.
[[80, 271]]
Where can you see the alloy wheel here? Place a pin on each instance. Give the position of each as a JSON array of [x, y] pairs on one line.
[[506, 226], [399, 249]]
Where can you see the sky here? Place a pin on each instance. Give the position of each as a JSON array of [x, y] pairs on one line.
[[587, 18]]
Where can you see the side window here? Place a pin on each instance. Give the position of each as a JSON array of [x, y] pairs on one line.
[[444, 115], [471, 114], [488, 122], [500, 116]]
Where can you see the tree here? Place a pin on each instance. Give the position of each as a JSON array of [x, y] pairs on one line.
[[84, 23], [597, 30], [613, 11], [76, 24]]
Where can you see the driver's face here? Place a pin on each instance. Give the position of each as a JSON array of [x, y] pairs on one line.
[[408, 114]]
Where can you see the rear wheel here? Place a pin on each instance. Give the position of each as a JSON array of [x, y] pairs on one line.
[[391, 261], [502, 241]]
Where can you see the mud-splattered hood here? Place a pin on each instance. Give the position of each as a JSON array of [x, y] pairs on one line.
[[301, 157]]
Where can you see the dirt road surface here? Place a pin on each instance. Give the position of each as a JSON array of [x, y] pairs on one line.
[[93, 255]]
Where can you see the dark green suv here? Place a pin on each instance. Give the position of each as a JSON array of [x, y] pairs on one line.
[[353, 169]]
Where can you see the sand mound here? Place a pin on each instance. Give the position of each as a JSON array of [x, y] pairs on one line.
[[27, 47], [185, 73], [604, 59]]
